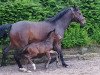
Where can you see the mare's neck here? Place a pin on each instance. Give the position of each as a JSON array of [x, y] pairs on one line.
[[63, 23]]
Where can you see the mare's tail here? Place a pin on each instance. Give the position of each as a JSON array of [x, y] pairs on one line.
[[4, 30]]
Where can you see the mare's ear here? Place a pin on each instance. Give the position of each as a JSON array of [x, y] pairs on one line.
[[75, 7]]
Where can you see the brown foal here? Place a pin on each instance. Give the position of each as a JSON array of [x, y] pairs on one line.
[[43, 47]]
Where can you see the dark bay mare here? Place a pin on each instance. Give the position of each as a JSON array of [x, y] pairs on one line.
[[23, 33]]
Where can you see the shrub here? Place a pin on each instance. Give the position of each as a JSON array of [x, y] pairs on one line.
[[76, 36], [12, 11]]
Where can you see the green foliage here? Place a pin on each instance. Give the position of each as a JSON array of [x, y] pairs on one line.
[[12, 11], [76, 36]]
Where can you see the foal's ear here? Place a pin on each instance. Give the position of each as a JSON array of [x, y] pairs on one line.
[[54, 30], [51, 32]]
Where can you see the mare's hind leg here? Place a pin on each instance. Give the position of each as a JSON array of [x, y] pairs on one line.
[[49, 59], [29, 59], [4, 55], [17, 58]]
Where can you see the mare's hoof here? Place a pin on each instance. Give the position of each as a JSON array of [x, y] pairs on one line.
[[64, 65], [24, 70]]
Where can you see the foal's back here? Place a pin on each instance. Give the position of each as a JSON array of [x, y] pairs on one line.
[[38, 48]]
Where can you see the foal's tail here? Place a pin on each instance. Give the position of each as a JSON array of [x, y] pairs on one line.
[[4, 30]]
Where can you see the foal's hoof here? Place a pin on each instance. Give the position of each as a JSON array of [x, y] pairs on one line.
[[64, 65], [57, 65], [34, 66], [46, 66]]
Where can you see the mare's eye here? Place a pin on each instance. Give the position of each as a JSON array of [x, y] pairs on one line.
[[79, 13]]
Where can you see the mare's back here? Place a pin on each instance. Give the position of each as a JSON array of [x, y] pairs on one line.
[[27, 32], [27, 24]]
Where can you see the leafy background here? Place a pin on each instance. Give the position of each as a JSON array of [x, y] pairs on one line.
[[12, 11]]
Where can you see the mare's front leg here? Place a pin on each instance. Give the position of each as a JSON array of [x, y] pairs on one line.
[[57, 47]]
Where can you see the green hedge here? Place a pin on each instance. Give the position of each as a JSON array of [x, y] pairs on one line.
[[12, 11]]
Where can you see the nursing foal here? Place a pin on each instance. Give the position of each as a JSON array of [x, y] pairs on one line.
[[43, 47]]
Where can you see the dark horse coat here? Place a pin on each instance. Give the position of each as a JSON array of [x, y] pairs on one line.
[[23, 33], [41, 48]]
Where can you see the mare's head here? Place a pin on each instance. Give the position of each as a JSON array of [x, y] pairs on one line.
[[77, 16], [66, 14]]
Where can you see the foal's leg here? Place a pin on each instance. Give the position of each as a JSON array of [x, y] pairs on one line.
[[4, 55], [57, 58], [49, 59]]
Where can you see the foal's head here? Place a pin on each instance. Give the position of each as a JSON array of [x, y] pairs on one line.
[[52, 35], [77, 15]]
